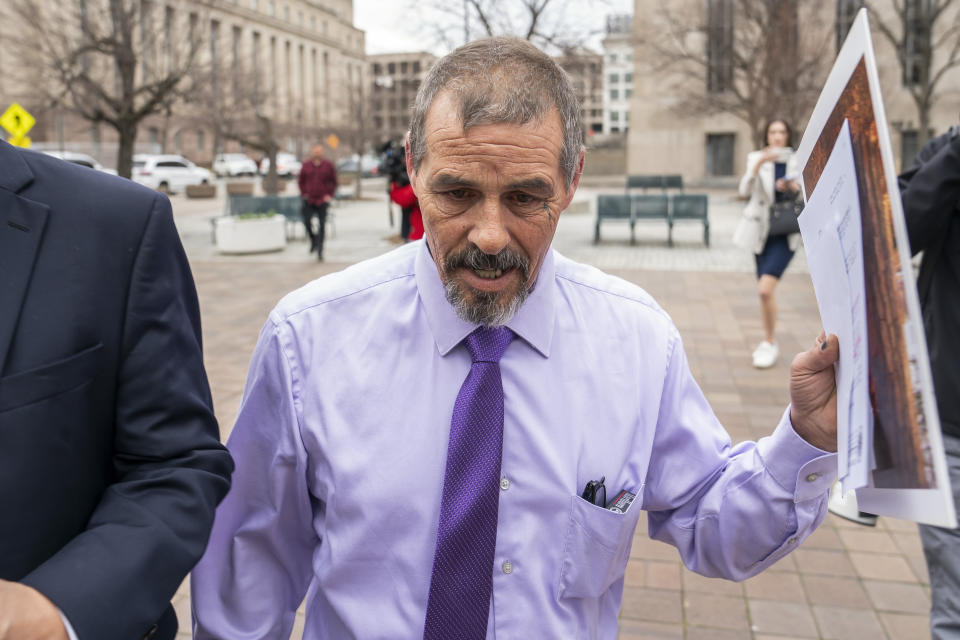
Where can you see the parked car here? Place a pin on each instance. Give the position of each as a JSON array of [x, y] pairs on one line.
[[369, 165], [234, 164], [81, 159], [168, 173], [287, 165]]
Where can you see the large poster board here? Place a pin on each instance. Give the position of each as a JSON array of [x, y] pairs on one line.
[[909, 475]]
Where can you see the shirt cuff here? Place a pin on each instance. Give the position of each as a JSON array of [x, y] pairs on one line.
[[66, 624], [795, 464]]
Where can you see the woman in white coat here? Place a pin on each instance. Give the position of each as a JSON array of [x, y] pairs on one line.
[[770, 177]]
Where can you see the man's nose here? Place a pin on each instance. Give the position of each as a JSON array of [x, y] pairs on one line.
[[489, 231]]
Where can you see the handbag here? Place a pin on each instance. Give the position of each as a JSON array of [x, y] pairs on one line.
[[783, 217]]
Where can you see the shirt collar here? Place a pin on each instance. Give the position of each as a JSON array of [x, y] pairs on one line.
[[534, 322]]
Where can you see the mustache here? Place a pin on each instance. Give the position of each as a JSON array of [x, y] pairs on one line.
[[472, 257]]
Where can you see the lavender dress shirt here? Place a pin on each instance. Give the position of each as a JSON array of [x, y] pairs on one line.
[[341, 439]]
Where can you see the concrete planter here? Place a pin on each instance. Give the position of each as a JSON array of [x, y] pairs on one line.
[[251, 235], [239, 188], [201, 190]]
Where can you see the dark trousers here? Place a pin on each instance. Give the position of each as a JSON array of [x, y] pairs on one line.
[[405, 222], [319, 211]]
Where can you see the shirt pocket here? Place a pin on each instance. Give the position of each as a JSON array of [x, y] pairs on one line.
[[49, 380], [596, 548]]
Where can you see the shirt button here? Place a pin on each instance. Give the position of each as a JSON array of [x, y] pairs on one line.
[[504, 483], [812, 477], [507, 567]]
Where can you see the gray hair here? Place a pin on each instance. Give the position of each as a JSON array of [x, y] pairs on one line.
[[496, 80]]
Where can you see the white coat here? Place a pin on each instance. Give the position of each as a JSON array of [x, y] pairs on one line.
[[751, 232]]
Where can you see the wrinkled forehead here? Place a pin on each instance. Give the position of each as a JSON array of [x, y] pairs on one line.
[[445, 123]]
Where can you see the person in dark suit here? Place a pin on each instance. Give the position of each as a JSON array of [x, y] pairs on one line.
[[111, 465]]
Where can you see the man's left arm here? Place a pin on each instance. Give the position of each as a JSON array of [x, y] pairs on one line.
[[733, 511], [116, 578]]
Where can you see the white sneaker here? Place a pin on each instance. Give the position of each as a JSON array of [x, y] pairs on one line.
[[845, 506], [765, 355]]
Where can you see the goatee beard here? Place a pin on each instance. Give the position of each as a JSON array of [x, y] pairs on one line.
[[485, 307]]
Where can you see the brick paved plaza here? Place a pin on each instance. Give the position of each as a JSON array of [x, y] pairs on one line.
[[845, 582]]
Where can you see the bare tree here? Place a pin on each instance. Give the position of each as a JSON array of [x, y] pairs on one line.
[[926, 39], [238, 104], [753, 59], [115, 62], [550, 24]]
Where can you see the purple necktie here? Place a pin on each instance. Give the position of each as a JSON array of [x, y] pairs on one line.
[[462, 579]]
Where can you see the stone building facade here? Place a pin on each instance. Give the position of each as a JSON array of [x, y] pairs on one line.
[[394, 81], [305, 57]]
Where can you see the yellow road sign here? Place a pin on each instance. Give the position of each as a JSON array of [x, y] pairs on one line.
[[17, 121], [333, 141], [23, 141]]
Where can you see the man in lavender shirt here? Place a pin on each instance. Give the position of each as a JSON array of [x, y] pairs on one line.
[[341, 442]]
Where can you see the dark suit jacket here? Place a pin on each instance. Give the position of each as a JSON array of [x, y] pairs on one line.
[[111, 466]]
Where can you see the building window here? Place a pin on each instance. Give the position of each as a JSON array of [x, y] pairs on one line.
[[614, 78], [719, 45], [286, 13], [846, 13], [253, 4], [614, 94], [376, 68], [391, 68], [628, 77], [614, 116], [313, 23], [403, 67], [271, 7], [178, 142], [916, 41], [154, 135], [627, 92], [416, 66], [612, 58], [720, 154]]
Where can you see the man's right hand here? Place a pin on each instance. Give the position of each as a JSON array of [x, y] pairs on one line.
[[26, 614]]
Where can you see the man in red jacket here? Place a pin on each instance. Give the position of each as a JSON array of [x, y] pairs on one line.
[[318, 184]]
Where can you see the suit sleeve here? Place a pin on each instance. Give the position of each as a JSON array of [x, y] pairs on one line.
[[930, 191], [170, 470]]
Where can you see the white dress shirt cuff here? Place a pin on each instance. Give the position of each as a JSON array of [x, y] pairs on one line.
[[66, 623], [797, 465]]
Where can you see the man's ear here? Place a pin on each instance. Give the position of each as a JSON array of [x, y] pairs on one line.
[[408, 160], [575, 182]]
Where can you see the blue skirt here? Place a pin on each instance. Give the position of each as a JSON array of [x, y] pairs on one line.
[[774, 258]]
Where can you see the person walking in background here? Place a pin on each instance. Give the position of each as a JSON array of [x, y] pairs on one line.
[[318, 184], [770, 177], [930, 190], [111, 465], [401, 192]]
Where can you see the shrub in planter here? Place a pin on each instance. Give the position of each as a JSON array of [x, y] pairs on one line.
[[239, 188], [205, 190], [251, 233]]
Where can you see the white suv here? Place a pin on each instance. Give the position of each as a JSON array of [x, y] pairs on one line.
[[234, 164], [81, 159], [287, 165], [168, 173]]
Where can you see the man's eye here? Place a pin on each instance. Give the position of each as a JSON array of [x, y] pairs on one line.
[[526, 201], [457, 194]]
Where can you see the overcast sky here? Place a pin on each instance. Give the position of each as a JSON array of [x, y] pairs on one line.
[[391, 29]]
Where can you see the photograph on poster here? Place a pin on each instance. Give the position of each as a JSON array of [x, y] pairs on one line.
[[909, 477]]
